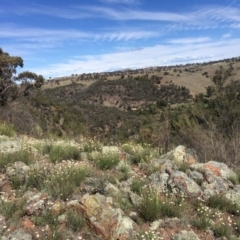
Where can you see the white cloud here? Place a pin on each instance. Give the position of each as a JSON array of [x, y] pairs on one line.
[[150, 56], [120, 1], [190, 40], [51, 36], [227, 35]]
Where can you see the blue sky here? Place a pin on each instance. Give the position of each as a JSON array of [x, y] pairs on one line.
[[59, 38]]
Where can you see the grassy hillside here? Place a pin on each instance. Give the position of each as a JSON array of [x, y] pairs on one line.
[[142, 106]]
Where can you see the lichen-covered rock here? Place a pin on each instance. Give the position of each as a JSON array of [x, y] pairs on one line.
[[234, 197], [213, 185], [19, 234], [179, 182], [196, 176], [181, 155], [19, 169], [135, 199], [164, 165], [36, 204], [215, 168], [28, 224], [106, 221], [186, 235], [160, 181], [111, 189]]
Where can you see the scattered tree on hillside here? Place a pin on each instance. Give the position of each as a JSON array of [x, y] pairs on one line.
[[8, 69], [8, 66]]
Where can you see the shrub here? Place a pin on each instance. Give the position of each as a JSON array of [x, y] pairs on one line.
[[22, 155], [75, 220], [7, 209], [124, 169], [63, 183], [58, 153], [201, 222], [137, 185], [7, 130], [222, 230], [150, 204], [106, 161], [46, 218], [220, 202]]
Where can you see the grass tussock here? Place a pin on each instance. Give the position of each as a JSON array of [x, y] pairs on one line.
[[7, 130], [62, 184], [22, 155], [74, 220], [58, 153], [106, 161]]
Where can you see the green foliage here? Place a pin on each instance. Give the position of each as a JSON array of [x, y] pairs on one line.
[[183, 166], [46, 218], [222, 230], [7, 209], [218, 201], [150, 204], [106, 161], [201, 222], [7, 130], [24, 156], [147, 235], [124, 169], [137, 185], [58, 153], [75, 220], [62, 184]]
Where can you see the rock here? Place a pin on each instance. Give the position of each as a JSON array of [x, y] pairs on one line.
[[180, 183], [135, 199], [62, 218], [186, 235], [155, 225], [73, 204], [19, 234], [159, 180], [196, 176], [2, 222], [215, 168], [5, 184], [57, 207], [93, 185], [106, 221], [181, 155], [111, 189], [213, 185], [134, 216], [218, 169], [237, 188], [234, 197], [36, 204], [19, 169], [164, 165], [84, 156], [28, 224]]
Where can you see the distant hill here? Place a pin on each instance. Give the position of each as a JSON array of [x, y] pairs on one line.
[[195, 77]]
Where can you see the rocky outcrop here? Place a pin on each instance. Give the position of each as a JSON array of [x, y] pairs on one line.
[[105, 220], [96, 198]]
